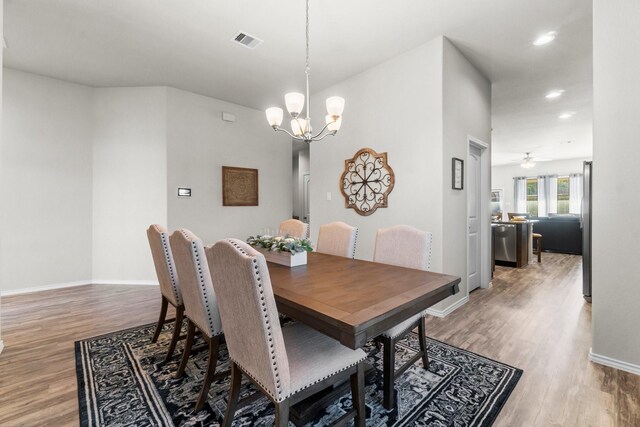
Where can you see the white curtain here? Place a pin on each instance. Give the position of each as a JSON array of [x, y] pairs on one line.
[[542, 196], [520, 194], [552, 200], [547, 194], [575, 193]]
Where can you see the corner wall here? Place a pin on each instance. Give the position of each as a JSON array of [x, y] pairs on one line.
[[46, 182], [394, 107], [199, 143], [420, 108], [616, 277], [466, 113]]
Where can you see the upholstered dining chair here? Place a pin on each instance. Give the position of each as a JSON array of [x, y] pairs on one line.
[[294, 228], [200, 302], [409, 247], [287, 363], [169, 287], [337, 238]]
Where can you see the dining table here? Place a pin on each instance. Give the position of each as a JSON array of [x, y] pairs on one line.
[[354, 301]]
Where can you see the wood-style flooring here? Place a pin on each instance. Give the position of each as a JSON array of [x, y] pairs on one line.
[[532, 318]]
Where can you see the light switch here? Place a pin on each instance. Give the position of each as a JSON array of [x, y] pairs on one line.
[[328, 195]]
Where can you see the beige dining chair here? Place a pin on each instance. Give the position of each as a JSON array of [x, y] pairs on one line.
[[169, 288], [288, 364], [337, 238], [294, 228], [408, 247], [200, 302]]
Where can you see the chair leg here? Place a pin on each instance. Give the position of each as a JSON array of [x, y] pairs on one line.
[[282, 413], [357, 396], [214, 343], [163, 315], [389, 362], [234, 394], [177, 328], [423, 343], [191, 330], [539, 249]]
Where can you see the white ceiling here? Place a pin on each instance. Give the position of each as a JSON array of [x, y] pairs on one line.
[[186, 44]]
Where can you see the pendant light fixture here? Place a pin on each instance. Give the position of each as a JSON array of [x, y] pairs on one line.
[[295, 102]]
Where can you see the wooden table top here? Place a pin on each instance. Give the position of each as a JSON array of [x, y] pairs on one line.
[[353, 300]]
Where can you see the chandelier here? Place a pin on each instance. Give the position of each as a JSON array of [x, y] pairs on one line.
[[528, 162], [301, 127]]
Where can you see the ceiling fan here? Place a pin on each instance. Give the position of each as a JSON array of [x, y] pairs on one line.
[[528, 162]]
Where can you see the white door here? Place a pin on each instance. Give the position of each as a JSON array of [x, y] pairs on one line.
[[473, 220], [306, 180]]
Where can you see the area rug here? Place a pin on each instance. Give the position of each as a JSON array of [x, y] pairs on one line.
[[123, 382]]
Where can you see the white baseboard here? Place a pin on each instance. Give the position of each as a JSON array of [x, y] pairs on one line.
[[1, 346], [614, 363], [450, 309], [20, 291], [126, 282]]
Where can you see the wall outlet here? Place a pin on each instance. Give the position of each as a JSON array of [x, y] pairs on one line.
[[328, 195]]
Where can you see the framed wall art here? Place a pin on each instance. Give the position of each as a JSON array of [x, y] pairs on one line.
[[457, 173], [367, 181], [239, 186]]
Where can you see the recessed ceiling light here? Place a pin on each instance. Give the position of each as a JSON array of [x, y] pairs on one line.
[[554, 94], [545, 38], [566, 115]]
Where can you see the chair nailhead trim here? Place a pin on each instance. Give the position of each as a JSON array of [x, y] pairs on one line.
[[267, 325], [171, 268], [355, 242], [203, 293]]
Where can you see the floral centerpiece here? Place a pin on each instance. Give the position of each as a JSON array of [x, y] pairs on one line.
[[281, 243], [285, 250]]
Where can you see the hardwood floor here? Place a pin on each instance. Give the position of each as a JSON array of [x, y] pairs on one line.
[[532, 318], [535, 319]]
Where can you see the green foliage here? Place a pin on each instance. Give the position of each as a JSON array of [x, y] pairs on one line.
[[284, 243]]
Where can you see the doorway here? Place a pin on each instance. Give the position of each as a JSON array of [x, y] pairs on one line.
[[478, 215]]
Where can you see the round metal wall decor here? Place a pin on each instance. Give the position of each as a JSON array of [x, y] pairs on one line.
[[367, 181]]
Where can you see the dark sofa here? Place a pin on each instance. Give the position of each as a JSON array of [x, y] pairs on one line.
[[560, 234]]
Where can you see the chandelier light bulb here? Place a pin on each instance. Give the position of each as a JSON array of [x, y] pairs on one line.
[[296, 127], [335, 106], [333, 125], [294, 102], [274, 116]]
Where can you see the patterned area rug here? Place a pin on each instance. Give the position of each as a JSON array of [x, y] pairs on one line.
[[122, 382]]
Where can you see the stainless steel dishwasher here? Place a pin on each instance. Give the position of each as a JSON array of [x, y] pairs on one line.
[[504, 236]]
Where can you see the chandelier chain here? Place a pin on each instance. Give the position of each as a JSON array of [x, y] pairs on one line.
[[307, 36]]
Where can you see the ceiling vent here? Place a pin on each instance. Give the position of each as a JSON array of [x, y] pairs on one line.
[[246, 40]]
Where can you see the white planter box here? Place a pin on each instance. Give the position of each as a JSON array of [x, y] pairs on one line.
[[284, 258]]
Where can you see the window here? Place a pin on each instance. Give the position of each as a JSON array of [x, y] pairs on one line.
[[532, 196], [563, 195]]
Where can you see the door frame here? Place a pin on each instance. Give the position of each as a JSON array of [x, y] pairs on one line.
[[484, 226]]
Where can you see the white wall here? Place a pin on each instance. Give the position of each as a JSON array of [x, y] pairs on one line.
[[420, 108], [502, 176], [394, 107], [199, 143], [45, 182], [466, 112], [129, 180], [616, 277]]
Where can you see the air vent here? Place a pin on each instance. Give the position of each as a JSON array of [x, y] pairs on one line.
[[246, 40]]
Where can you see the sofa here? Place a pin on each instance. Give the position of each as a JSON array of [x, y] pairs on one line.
[[561, 233]]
